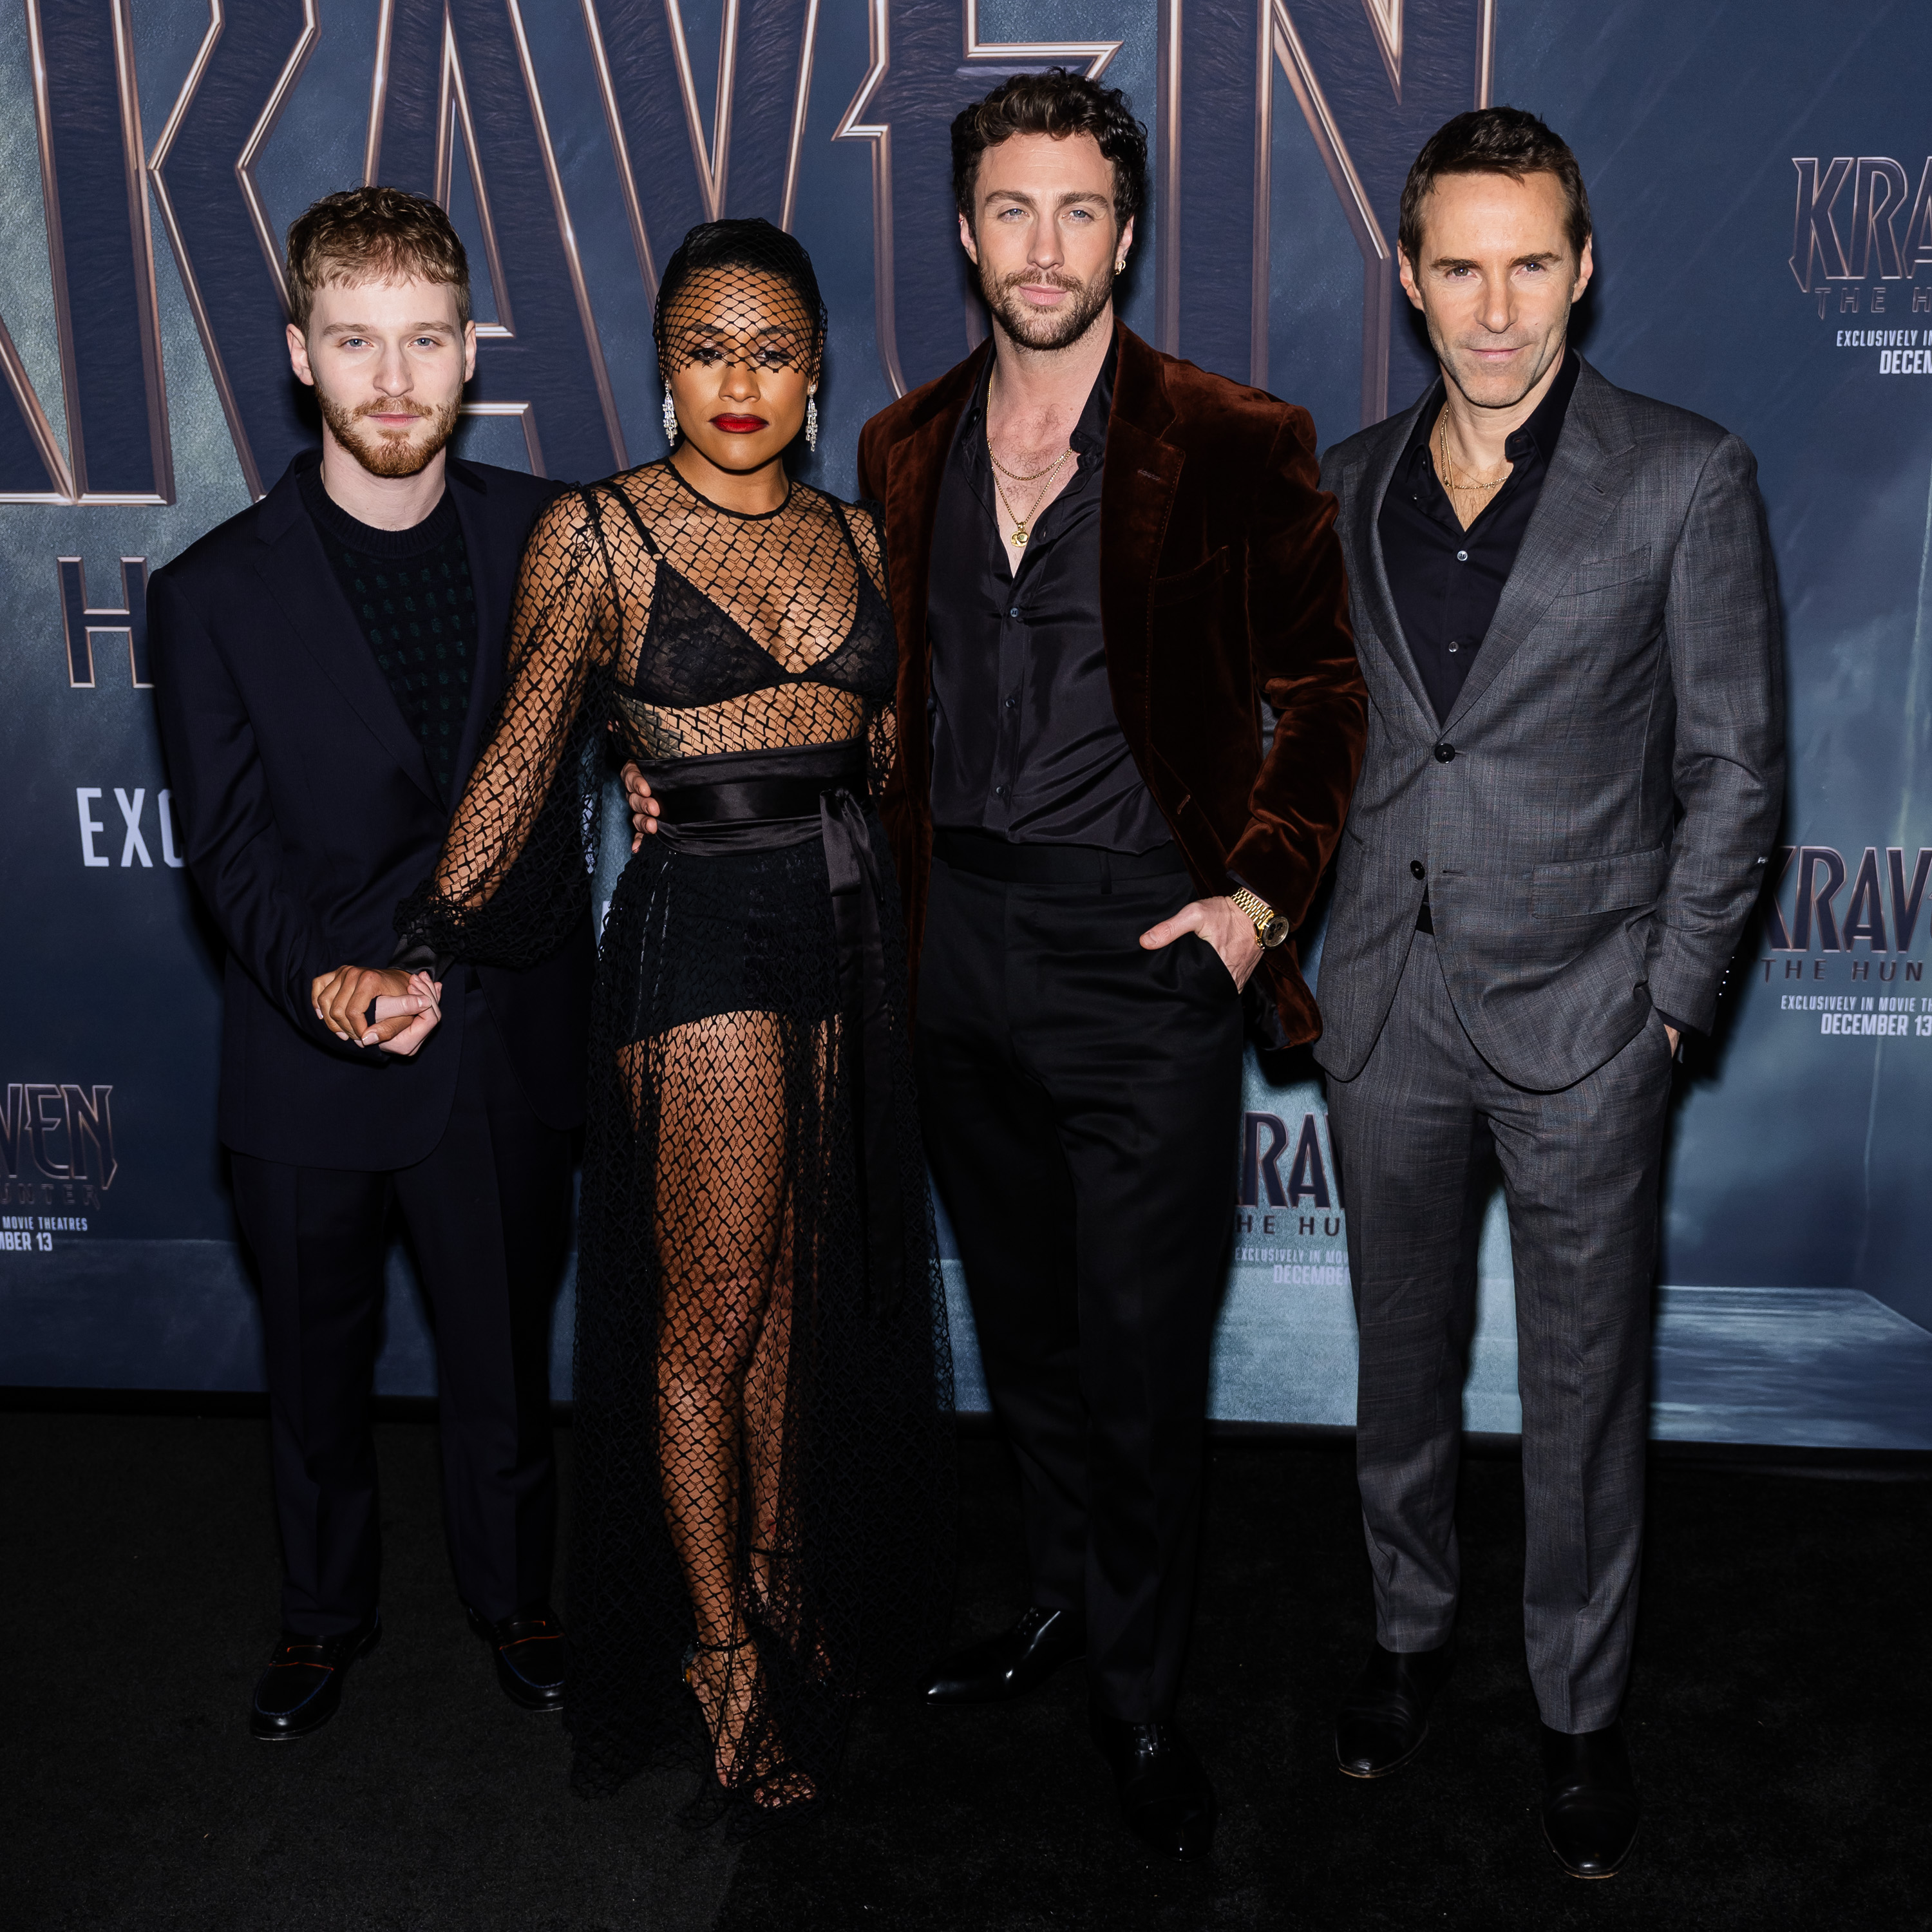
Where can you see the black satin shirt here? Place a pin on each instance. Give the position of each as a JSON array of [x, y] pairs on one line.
[[1447, 581], [1025, 744]]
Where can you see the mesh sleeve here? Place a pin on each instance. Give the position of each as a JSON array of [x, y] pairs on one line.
[[514, 875], [882, 722]]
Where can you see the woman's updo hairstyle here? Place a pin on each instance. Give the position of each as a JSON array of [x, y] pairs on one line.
[[729, 258]]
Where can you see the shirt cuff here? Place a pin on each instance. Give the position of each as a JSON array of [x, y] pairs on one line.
[[1686, 1033]]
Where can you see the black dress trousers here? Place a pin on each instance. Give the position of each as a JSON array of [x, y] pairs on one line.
[[1081, 1098], [487, 1214]]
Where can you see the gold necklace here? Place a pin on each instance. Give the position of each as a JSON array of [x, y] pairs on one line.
[[1477, 485], [1023, 526], [1014, 476]]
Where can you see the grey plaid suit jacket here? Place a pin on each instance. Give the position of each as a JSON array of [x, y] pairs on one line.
[[1591, 821]]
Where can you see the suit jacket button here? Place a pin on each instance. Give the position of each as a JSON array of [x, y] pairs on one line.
[[1443, 753], [1421, 871]]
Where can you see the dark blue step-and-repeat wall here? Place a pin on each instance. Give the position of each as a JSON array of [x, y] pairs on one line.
[[1763, 195]]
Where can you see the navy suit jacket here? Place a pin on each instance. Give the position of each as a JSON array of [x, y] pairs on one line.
[[308, 811]]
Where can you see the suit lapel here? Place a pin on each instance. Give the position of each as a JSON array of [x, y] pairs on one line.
[[296, 573], [915, 471], [1139, 479], [1586, 479], [493, 575], [1366, 565]]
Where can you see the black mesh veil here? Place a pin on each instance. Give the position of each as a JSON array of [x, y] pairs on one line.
[[762, 1445], [739, 288]]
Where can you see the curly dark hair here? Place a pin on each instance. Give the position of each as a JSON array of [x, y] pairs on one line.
[[373, 235], [1492, 141], [1058, 103]]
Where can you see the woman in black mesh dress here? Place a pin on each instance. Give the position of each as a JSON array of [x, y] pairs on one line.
[[763, 1385]]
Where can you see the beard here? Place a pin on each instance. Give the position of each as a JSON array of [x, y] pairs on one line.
[[1031, 329], [1495, 389], [386, 452]]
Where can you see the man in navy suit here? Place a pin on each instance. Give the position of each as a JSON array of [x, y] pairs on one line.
[[328, 663]]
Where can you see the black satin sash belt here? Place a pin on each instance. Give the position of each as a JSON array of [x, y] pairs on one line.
[[758, 801]]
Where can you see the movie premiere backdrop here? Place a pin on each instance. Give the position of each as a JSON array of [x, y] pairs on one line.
[[1762, 174]]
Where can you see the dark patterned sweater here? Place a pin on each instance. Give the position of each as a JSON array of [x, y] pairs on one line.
[[411, 595]]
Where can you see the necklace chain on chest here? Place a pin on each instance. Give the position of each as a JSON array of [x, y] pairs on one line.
[[1022, 527], [1473, 485], [1013, 475]]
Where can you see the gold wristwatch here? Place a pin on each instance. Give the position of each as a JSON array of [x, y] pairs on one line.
[[1270, 928]]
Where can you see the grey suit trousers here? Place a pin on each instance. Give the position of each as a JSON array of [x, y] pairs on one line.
[[1413, 1133]]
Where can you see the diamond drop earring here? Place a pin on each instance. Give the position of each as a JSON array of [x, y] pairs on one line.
[[811, 422], [669, 417]]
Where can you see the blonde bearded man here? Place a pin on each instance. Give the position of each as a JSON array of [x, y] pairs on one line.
[[328, 662]]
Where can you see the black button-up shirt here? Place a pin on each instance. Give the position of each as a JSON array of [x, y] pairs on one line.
[[1446, 580], [1025, 744]]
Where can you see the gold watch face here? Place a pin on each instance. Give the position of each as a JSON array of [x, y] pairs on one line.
[[1273, 930]]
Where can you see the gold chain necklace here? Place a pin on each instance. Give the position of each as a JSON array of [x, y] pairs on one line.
[[1476, 485], [1013, 475], [1022, 527]]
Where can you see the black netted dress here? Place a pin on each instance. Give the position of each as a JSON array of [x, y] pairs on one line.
[[763, 1391]]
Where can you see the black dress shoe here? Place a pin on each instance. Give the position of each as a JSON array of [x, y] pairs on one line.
[[532, 1655], [1164, 1794], [1589, 1799], [1017, 1660], [1384, 1720], [298, 1692]]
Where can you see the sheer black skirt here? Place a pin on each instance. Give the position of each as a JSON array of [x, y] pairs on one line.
[[763, 1449]]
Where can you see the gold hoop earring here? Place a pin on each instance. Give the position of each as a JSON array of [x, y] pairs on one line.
[[1121, 266]]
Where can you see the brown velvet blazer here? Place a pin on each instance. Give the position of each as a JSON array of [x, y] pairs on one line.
[[1221, 585]]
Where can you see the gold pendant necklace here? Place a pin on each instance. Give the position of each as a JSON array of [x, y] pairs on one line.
[[1022, 527]]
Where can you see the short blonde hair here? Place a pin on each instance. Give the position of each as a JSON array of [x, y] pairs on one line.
[[373, 234]]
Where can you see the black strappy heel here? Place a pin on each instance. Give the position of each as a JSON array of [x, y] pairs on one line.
[[777, 1793]]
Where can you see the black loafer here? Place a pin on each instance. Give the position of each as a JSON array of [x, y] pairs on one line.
[[298, 1692], [1165, 1798], [1384, 1720], [532, 1655], [1589, 1799], [1019, 1659]]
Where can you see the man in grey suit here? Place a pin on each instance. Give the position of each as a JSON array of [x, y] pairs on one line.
[[1567, 618]]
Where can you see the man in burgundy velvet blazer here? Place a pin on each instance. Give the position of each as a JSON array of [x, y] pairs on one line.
[[1222, 589], [1107, 566]]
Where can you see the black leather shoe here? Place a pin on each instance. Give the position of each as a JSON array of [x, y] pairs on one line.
[[1019, 1659], [1589, 1800], [1164, 1794], [532, 1656], [1384, 1720], [298, 1692]]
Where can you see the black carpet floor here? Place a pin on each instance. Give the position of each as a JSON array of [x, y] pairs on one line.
[[140, 1567], [1778, 1716], [1779, 1713]]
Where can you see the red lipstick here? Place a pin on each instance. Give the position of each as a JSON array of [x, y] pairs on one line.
[[740, 425]]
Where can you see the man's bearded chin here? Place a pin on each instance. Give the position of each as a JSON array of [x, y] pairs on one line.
[[385, 453], [1470, 377], [1031, 328]]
